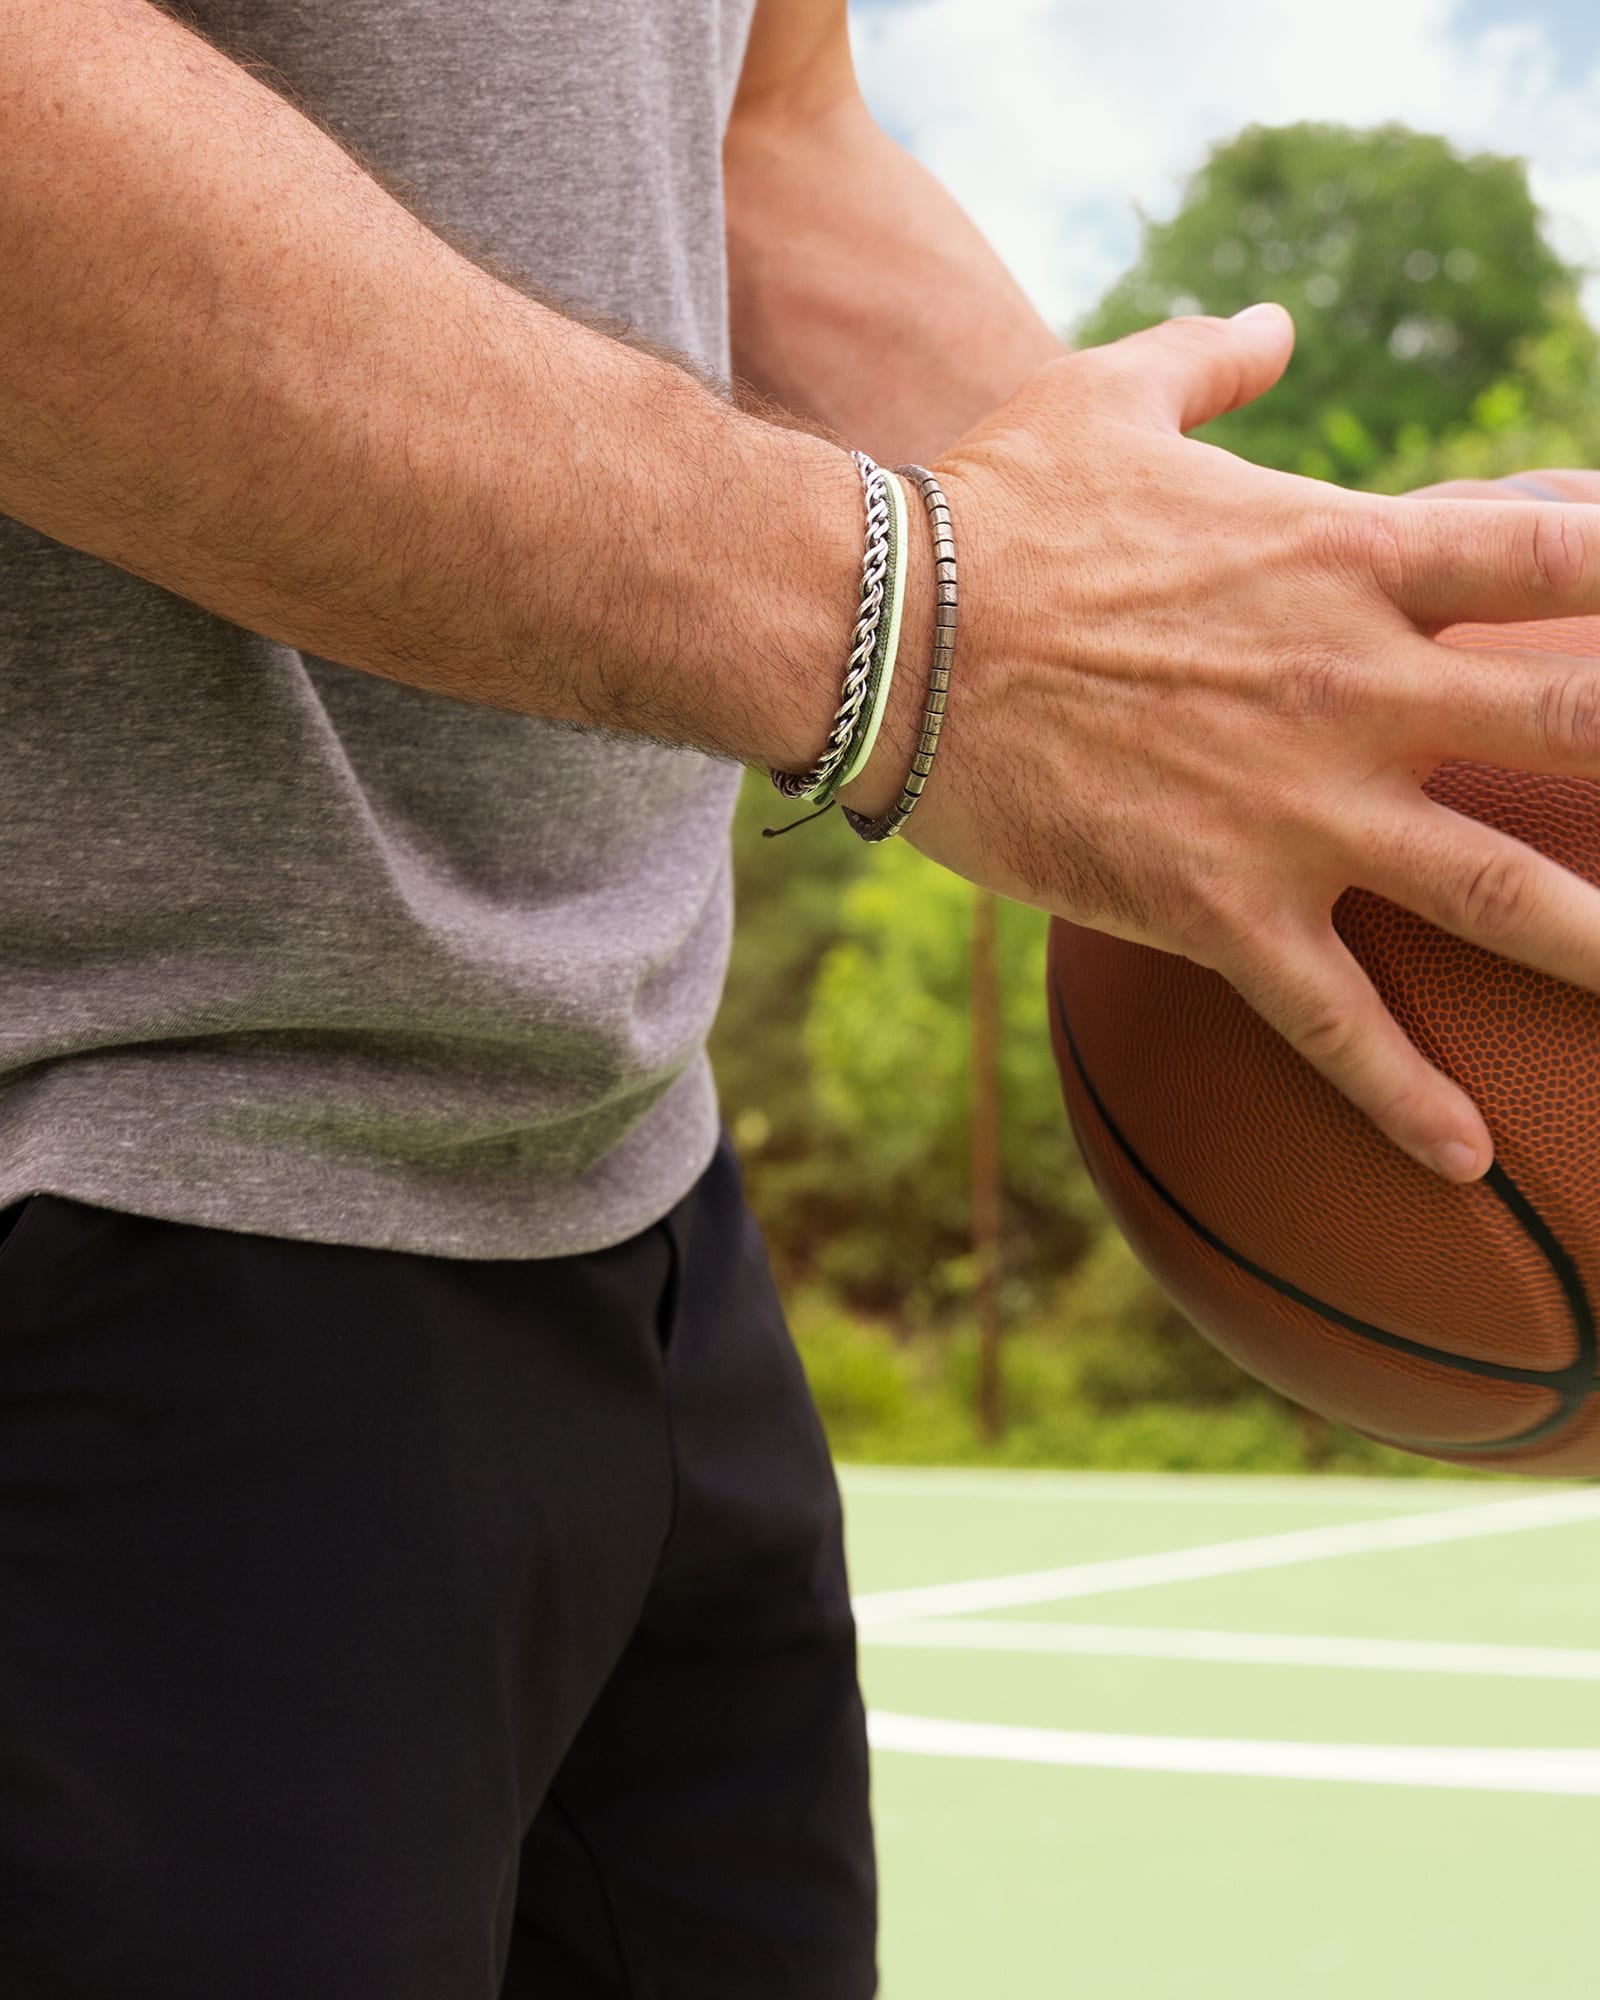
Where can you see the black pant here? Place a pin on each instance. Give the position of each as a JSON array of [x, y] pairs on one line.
[[392, 1627]]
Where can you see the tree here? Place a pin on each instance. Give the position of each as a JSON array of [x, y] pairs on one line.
[[1413, 274], [1544, 412]]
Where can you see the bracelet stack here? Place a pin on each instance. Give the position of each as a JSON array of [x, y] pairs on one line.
[[944, 652], [875, 645]]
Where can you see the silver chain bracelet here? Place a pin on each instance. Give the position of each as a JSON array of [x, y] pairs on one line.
[[944, 652], [874, 564]]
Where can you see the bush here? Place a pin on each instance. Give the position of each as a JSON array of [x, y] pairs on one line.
[[910, 1400]]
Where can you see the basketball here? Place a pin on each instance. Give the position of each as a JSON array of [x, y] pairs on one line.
[[1453, 1321]]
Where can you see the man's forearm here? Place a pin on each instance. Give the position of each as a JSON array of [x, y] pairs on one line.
[[231, 363], [862, 294]]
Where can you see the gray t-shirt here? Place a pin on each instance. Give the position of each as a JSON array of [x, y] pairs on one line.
[[290, 949]]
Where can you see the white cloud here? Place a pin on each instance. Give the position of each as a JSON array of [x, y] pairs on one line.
[[1049, 119]]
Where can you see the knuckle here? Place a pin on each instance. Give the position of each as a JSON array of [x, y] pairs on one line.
[[1217, 916], [1316, 682], [1314, 1015], [1568, 720], [1401, 1109], [1122, 369], [1198, 328], [1324, 1033], [1497, 894], [1362, 542], [1549, 553]]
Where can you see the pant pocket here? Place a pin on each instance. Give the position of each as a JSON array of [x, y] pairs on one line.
[[13, 1222]]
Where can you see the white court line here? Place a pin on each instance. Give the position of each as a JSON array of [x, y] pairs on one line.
[[1186, 1489], [1575, 1772], [1298, 1545], [1265, 1649]]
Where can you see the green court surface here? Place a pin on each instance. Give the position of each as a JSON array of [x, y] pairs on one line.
[[1175, 1735]]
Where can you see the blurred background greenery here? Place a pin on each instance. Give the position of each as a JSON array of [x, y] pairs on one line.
[[1440, 337]]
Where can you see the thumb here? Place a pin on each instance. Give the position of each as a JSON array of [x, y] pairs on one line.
[[1187, 371]]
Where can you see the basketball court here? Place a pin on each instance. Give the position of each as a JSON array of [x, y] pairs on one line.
[[1176, 1735]]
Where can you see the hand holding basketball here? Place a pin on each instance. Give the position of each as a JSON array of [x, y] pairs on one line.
[[1455, 1321], [1196, 702]]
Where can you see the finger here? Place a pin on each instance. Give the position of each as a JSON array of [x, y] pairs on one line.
[[1475, 489], [1187, 371], [1565, 484], [1446, 562], [1470, 695], [1324, 1005], [1494, 891]]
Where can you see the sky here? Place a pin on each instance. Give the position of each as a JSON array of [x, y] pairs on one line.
[[1054, 122]]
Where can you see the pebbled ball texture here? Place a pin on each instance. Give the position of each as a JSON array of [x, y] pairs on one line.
[[1452, 1321]]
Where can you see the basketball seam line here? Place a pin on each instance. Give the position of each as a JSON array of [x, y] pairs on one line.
[[1571, 1385]]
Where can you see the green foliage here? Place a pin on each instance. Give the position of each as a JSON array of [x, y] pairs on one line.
[[1413, 275], [841, 1055], [895, 982], [862, 1381], [887, 1033], [1545, 411], [901, 1401]]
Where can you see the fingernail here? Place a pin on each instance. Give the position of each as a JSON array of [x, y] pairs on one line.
[[1456, 1160], [1257, 312]]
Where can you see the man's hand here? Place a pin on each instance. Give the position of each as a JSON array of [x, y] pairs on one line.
[[1194, 701]]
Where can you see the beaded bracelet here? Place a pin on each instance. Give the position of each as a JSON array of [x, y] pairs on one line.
[[810, 784], [944, 647]]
